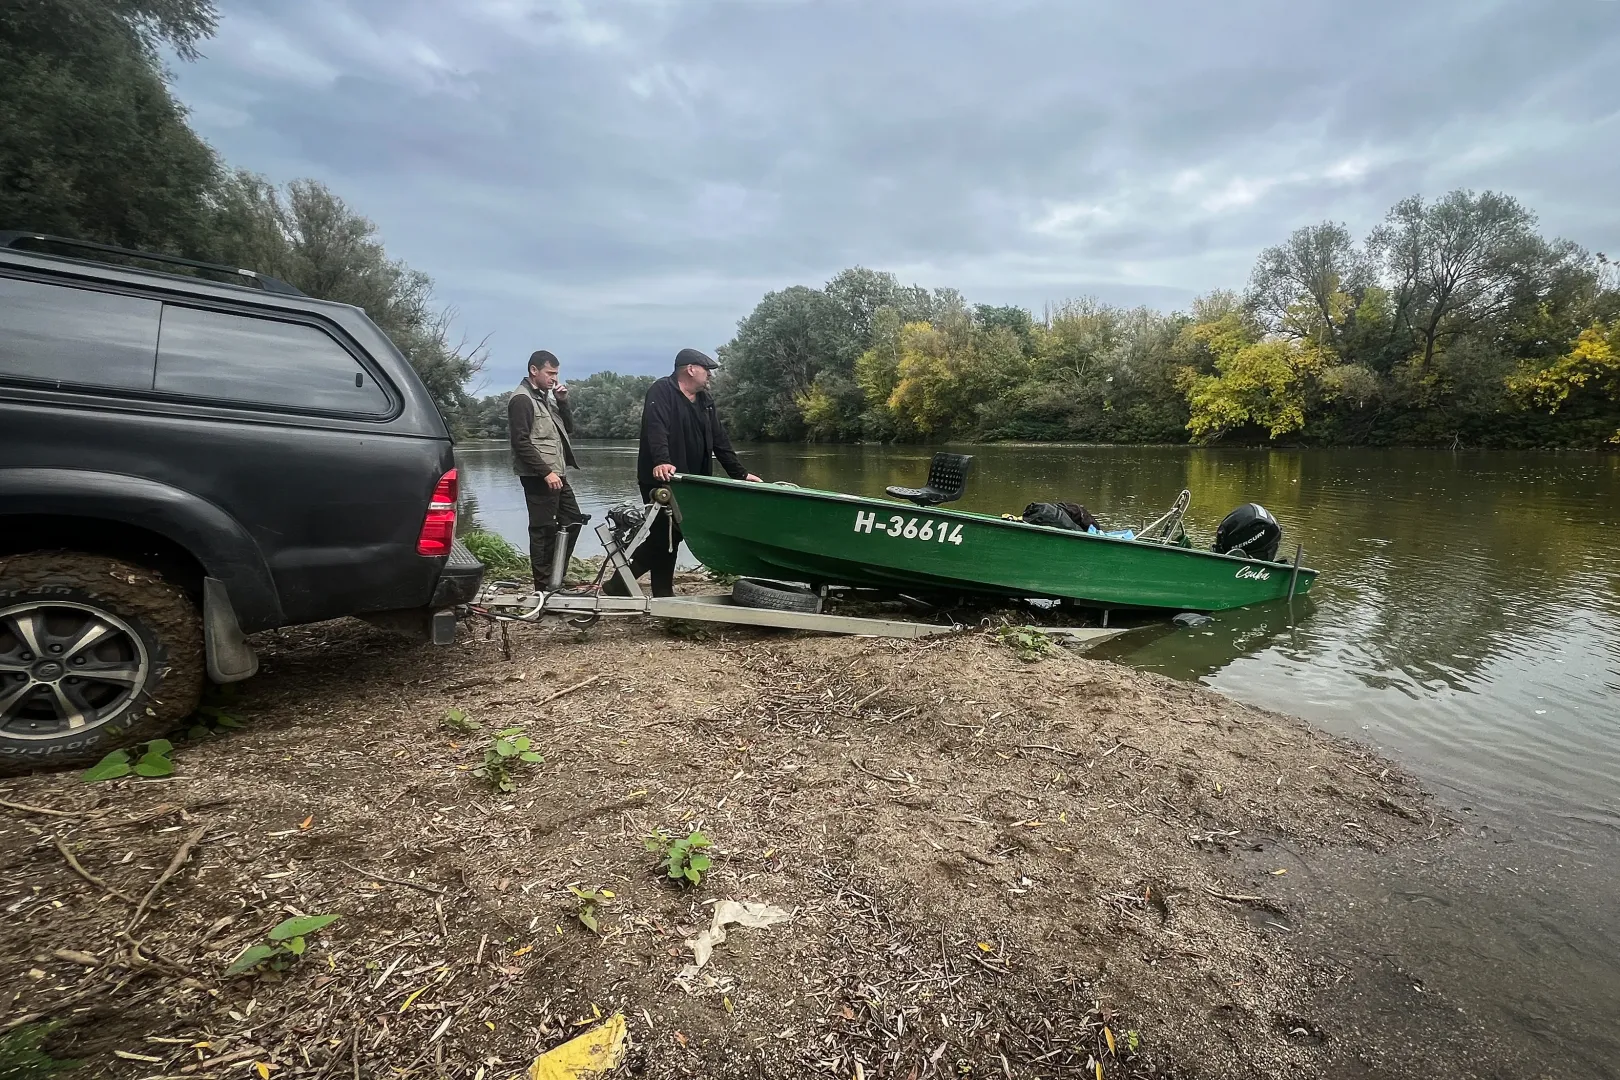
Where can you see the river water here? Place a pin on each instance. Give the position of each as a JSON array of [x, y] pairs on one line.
[[1467, 620], [1466, 624]]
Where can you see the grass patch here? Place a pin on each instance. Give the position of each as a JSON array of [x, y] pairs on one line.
[[503, 561], [499, 557], [23, 1054]]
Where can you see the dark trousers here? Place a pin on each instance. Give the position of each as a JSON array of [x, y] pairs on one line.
[[550, 512], [656, 555]]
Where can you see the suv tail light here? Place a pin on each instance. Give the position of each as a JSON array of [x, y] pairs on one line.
[[439, 525]]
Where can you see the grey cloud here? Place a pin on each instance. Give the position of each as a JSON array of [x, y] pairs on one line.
[[618, 178]]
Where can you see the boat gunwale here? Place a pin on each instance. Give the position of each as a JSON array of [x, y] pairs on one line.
[[968, 515]]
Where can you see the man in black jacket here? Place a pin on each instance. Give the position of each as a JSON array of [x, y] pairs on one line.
[[680, 432]]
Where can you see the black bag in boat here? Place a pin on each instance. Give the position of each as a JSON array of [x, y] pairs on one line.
[[1250, 531], [1060, 515]]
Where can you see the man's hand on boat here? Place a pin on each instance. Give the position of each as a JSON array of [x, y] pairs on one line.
[[665, 473]]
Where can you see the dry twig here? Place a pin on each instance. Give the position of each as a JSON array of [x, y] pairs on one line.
[[173, 868], [45, 810], [87, 875], [435, 890]]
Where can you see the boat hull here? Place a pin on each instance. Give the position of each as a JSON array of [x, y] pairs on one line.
[[819, 537]]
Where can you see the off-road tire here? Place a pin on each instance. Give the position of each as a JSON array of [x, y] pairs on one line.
[[160, 614], [775, 595]]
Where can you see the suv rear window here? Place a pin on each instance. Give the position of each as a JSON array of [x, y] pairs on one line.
[[250, 361], [59, 334]]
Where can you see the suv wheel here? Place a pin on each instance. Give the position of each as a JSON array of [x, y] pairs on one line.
[[94, 654]]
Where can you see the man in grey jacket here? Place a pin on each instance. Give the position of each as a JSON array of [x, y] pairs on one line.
[[539, 421]]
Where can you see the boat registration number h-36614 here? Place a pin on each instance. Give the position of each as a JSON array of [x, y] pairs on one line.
[[941, 532]]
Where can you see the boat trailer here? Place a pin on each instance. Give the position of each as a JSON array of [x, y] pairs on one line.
[[622, 532]]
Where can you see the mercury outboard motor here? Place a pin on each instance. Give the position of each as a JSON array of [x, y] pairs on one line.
[[1250, 531]]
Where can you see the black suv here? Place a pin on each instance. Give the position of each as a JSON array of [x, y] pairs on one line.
[[184, 461]]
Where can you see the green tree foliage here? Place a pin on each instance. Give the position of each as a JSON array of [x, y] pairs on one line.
[[484, 418], [946, 373], [92, 144], [1453, 322], [608, 406], [1461, 263], [772, 363], [310, 238], [1263, 382], [1591, 370]]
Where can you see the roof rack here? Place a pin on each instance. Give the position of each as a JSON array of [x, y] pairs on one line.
[[13, 239]]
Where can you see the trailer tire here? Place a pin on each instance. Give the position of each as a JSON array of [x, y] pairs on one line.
[[775, 595]]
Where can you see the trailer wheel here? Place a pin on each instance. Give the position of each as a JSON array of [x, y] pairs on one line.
[[776, 595]]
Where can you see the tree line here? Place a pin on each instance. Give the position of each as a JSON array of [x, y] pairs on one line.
[[94, 146], [1452, 322], [605, 405]]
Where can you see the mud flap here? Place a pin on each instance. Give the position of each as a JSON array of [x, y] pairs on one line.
[[230, 657]]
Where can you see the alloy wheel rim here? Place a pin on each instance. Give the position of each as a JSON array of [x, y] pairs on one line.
[[66, 668]]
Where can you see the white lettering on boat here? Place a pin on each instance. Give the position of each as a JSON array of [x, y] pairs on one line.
[[924, 529], [1254, 573]]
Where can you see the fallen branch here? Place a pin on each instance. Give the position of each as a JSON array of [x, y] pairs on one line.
[[173, 868], [545, 700], [436, 890], [1054, 749], [855, 708], [890, 779], [87, 875], [135, 947], [161, 810], [1264, 903], [223, 1059], [45, 810], [567, 690], [556, 823]]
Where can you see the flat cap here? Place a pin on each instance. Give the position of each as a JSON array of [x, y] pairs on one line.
[[693, 356]]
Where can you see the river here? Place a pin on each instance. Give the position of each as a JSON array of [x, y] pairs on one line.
[[1467, 620], [1466, 623]]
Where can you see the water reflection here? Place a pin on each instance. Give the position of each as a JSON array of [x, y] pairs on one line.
[[1199, 653], [1467, 619]]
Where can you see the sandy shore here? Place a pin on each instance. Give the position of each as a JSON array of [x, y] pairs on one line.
[[995, 868]]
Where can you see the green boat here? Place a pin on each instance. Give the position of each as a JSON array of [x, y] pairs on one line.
[[820, 538]]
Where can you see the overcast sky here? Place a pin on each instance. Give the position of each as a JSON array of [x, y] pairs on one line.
[[617, 179]]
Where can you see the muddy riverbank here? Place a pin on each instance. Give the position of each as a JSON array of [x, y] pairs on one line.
[[995, 868]]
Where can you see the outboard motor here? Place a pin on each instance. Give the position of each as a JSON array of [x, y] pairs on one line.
[[1249, 531]]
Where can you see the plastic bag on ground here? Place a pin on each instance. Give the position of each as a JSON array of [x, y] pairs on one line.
[[727, 913], [596, 1053]]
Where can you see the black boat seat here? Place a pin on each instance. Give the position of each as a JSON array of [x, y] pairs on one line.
[[947, 479]]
